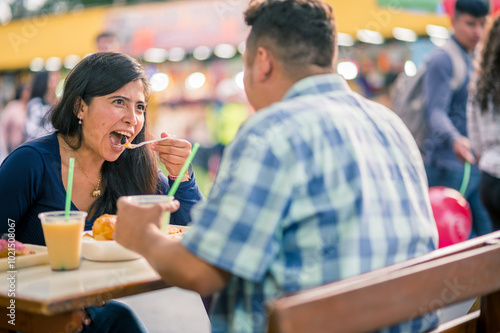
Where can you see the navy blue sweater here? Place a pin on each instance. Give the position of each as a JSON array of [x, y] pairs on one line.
[[31, 183]]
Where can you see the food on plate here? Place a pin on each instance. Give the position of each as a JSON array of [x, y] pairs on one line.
[[172, 230], [104, 226], [87, 236], [20, 248]]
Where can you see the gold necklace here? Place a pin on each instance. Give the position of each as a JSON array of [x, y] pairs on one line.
[[97, 192]]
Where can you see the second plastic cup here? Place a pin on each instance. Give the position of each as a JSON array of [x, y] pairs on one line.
[[63, 237], [150, 201]]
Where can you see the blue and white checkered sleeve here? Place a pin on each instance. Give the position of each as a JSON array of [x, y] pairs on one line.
[[235, 228]]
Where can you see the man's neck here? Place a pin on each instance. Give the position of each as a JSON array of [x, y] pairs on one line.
[[280, 86]]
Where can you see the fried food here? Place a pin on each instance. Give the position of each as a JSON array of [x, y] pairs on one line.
[[104, 226]]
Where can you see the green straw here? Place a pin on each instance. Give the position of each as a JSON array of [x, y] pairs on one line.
[[465, 180], [178, 180], [69, 188], [165, 220]]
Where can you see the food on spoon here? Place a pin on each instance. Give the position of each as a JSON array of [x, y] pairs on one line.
[[19, 248], [117, 138]]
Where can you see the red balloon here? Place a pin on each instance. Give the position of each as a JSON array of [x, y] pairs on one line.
[[452, 214], [449, 7]]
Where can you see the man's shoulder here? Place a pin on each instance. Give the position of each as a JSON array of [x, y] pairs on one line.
[[311, 109], [439, 58], [446, 55]]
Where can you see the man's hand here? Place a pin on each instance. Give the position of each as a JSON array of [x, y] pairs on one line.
[[134, 223], [138, 228], [173, 153], [462, 149]]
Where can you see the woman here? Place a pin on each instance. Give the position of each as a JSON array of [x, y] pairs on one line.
[[104, 102], [43, 96], [13, 121], [483, 121]]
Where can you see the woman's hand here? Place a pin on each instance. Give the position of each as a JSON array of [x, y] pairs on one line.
[[173, 153], [80, 317]]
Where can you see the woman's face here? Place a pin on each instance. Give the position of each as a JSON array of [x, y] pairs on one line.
[[110, 118]]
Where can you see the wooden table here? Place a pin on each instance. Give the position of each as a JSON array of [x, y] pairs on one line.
[[46, 301]]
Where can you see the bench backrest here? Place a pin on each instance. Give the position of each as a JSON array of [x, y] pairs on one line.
[[400, 292]]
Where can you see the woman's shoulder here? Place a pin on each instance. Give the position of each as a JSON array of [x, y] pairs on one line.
[[25, 159], [46, 146]]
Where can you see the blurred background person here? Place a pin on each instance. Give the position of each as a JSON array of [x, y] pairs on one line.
[[447, 146], [483, 123], [43, 97], [107, 42], [13, 120]]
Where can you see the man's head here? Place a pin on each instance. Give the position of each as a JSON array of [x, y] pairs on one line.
[[289, 40], [469, 21], [107, 42]]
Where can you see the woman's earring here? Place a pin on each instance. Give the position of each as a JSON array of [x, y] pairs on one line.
[[79, 121]]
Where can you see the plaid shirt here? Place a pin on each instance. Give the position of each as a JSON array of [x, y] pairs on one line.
[[319, 187]]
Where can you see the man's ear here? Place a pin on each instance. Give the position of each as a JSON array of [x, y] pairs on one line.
[[264, 64], [453, 21]]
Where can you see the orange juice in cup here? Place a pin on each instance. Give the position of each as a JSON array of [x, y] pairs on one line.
[[63, 237]]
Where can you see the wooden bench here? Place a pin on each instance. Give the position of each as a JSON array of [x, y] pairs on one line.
[[397, 293]]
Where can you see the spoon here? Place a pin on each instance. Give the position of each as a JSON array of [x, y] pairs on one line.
[[129, 145]]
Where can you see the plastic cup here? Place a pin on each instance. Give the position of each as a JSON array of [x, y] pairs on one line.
[[150, 201], [63, 237]]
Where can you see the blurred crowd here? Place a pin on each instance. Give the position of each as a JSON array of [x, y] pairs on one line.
[[23, 117], [211, 115]]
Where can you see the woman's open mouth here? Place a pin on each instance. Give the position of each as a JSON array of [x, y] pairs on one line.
[[118, 139]]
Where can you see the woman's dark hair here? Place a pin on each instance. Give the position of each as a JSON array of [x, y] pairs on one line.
[[301, 31], [488, 85], [40, 85], [135, 171], [19, 91]]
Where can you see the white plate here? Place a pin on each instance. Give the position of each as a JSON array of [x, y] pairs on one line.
[[110, 250], [40, 257]]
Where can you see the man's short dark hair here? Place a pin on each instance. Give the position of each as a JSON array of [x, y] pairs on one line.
[[301, 32], [105, 34], [476, 8]]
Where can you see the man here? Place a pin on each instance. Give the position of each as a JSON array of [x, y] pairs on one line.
[[447, 146], [319, 185], [107, 42]]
